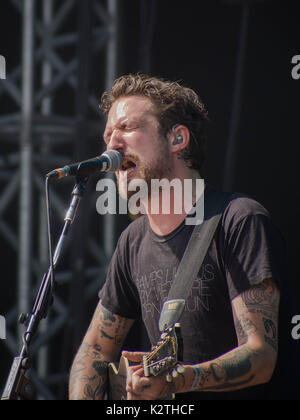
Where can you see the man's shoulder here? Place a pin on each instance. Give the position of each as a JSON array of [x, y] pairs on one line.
[[241, 205], [236, 205]]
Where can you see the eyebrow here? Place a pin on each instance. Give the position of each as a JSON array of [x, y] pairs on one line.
[[141, 120]]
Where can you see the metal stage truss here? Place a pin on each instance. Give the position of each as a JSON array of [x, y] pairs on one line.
[[60, 42]]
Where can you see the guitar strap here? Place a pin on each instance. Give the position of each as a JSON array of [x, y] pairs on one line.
[[215, 203]]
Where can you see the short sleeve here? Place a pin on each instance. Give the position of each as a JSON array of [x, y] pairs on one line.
[[119, 294], [254, 251]]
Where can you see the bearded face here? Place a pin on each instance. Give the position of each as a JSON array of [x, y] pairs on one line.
[[133, 129], [138, 172]]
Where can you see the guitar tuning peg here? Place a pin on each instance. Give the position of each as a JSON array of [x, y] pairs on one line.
[[168, 378], [180, 369]]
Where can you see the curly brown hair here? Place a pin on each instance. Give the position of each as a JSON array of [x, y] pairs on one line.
[[173, 104]]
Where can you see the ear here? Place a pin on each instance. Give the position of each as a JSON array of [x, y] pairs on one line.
[[179, 138]]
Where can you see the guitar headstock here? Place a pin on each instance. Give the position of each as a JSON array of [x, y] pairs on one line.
[[166, 353]]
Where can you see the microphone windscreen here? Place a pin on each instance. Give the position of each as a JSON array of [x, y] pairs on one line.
[[115, 159]]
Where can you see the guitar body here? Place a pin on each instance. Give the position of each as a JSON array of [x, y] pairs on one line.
[[117, 374]]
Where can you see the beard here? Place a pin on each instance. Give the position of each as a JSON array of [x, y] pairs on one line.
[[160, 168]]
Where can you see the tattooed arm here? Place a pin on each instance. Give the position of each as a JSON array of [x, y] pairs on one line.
[[251, 363], [101, 345]]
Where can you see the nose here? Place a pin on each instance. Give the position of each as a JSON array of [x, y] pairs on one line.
[[116, 141]]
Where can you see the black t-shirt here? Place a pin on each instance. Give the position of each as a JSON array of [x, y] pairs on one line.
[[246, 249]]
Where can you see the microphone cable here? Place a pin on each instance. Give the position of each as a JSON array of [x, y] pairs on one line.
[[27, 336], [49, 233]]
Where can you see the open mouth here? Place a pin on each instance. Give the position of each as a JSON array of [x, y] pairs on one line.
[[128, 165]]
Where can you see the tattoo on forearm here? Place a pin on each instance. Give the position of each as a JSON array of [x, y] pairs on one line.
[[108, 316], [95, 382], [197, 378], [231, 372], [103, 334], [88, 378], [100, 367], [237, 369], [231, 368], [108, 320], [229, 386], [244, 328], [262, 295], [270, 329], [262, 301]]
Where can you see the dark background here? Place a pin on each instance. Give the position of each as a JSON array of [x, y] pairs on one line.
[[197, 42]]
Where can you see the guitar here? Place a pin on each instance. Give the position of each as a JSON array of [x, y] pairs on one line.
[[162, 358]]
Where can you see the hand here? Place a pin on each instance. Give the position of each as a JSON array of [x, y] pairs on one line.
[[139, 387]]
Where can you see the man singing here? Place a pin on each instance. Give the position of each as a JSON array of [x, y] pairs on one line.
[[230, 322]]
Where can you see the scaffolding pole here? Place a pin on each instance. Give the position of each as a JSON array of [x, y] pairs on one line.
[[109, 220], [26, 151], [45, 138]]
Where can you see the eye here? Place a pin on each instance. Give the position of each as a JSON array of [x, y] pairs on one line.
[[132, 128], [128, 127]]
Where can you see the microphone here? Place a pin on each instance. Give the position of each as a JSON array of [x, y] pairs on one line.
[[109, 161]]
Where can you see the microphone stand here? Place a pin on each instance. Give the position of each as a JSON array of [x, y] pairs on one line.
[[18, 387]]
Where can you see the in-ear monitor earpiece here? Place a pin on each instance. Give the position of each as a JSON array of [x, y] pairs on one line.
[[178, 140]]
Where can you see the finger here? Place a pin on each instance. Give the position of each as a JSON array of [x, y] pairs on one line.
[[133, 372], [133, 356], [140, 383], [133, 396], [137, 370]]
